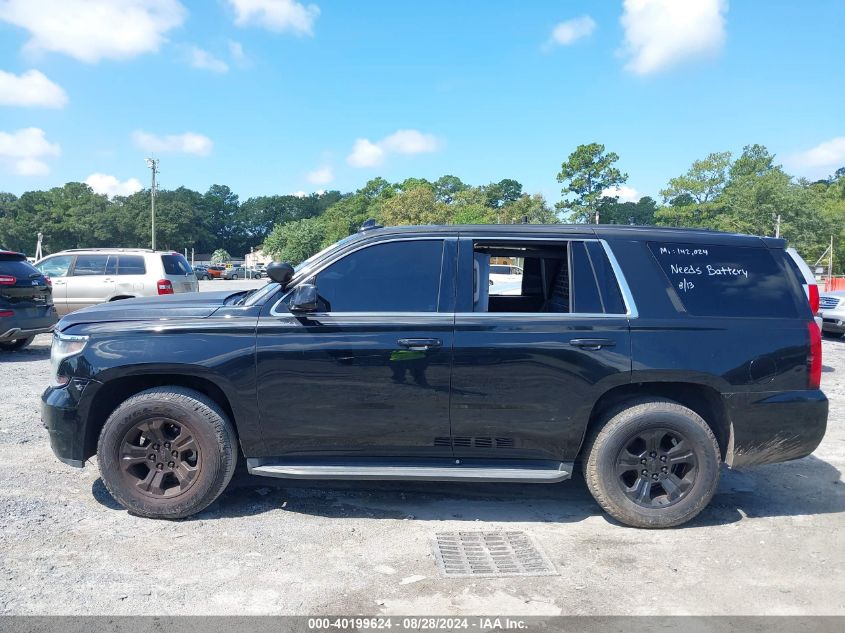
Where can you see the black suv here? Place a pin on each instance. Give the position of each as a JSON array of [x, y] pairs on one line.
[[26, 302], [649, 356]]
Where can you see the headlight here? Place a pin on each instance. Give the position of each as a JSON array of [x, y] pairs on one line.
[[64, 346]]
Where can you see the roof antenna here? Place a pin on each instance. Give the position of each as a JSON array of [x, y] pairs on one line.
[[370, 224]]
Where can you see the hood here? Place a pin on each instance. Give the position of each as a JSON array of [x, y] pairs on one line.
[[189, 305]]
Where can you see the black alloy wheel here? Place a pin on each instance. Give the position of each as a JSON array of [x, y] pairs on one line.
[[656, 467], [160, 457]]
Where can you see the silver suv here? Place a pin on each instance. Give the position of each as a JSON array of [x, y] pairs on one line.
[[88, 276]]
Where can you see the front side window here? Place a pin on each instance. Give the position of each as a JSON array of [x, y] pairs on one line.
[[87, 265], [55, 266], [401, 276]]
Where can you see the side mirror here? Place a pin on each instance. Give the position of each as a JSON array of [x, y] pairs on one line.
[[280, 272], [304, 298]]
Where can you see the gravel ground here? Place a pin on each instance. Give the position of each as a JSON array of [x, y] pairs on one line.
[[771, 542]]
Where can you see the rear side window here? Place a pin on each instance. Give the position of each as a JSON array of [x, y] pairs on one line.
[[131, 265], [176, 264], [726, 281]]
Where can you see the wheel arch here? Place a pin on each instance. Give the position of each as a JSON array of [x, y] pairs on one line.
[[111, 394], [703, 399]]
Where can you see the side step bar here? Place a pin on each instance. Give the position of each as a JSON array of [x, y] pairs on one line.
[[375, 471]]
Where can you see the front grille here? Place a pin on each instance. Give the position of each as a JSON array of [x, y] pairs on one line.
[[828, 303]]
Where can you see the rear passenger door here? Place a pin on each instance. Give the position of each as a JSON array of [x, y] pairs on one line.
[[528, 367]]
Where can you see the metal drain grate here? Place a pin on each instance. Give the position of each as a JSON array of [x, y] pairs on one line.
[[490, 554]]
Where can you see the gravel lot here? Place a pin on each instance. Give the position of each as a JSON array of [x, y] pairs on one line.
[[771, 542]]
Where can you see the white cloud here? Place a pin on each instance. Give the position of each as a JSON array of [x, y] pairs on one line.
[[24, 151], [820, 160], [111, 186], [236, 51], [662, 33], [203, 60], [91, 30], [320, 176], [276, 15], [299, 194], [623, 192], [187, 143], [365, 153], [32, 88], [568, 32]]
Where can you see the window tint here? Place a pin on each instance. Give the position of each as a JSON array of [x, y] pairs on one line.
[[585, 291], [175, 264], [131, 265], [607, 283], [55, 266], [710, 280], [90, 265], [392, 277], [18, 268]]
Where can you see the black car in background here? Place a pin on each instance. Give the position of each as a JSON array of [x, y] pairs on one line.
[[648, 356], [26, 302]]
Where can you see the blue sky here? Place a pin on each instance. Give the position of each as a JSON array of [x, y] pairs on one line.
[[279, 96]]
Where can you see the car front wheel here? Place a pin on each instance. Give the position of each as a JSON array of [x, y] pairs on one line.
[[653, 464], [167, 453]]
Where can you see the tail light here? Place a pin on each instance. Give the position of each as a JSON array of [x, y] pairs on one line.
[[814, 359], [164, 287], [7, 280], [7, 313], [48, 280], [814, 298]]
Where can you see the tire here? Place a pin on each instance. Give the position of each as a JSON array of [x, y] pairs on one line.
[[652, 431], [15, 345], [199, 470], [235, 277]]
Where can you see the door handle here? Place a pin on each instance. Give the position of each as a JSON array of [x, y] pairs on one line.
[[592, 343], [419, 344]]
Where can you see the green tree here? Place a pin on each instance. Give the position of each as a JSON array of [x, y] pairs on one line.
[[447, 187], [641, 213], [588, 173], [295, 241], [220, 256], [417, 205], [703, 181]]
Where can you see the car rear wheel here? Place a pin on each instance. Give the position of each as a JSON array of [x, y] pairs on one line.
[[20, 343], [167, 453], [653, 464]]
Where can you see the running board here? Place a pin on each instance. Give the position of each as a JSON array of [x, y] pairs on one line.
[[411, 471]]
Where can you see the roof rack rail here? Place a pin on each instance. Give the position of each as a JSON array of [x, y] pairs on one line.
[[108, 249]]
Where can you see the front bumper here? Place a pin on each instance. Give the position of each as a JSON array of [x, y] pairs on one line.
[[66, 423], [772, 427], [833, 321]]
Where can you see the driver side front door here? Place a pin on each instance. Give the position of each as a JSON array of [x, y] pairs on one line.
[[367, 374]]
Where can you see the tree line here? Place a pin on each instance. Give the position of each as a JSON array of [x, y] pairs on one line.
[[745, 194]]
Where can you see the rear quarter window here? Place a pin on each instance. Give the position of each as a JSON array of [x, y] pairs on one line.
[[176, 265], [726, 281]]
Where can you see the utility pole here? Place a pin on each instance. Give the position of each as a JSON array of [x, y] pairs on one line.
[[152, 163], [777, 226]]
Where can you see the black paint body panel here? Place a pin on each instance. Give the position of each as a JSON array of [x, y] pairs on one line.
[[341, 386]]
